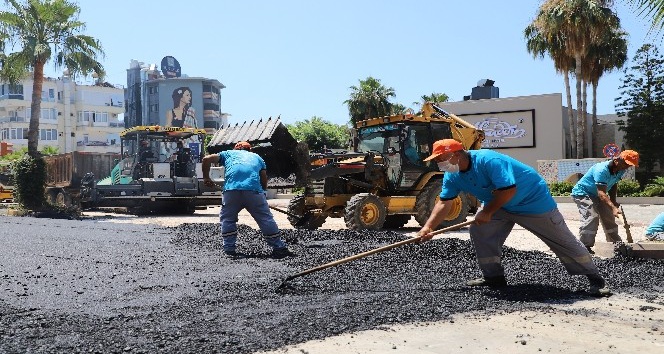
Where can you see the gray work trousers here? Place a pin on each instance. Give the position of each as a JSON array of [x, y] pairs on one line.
[[549, 227], [592, 211]]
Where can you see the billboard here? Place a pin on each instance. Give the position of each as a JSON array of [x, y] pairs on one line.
[[181, 103], [170, 67], [503, 130]]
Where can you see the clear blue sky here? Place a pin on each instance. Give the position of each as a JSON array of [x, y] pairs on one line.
[[298, 58]]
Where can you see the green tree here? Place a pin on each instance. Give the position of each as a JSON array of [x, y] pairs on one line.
[[369, 100], [434, 97], [652, 9], [320, 134], [642, 102], [577, 25], [605, 56], [44, 30], [398, 108], [538, 45], [16, 155]]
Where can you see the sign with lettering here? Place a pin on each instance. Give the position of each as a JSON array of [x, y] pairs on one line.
[[502, 130], [170, 67]]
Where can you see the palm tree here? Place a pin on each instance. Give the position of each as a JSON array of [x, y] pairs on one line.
[[579, 24], [606, 56], [369, 100], [654, 9], [434, 97], [44, 30], [398, 108], [538, 46]]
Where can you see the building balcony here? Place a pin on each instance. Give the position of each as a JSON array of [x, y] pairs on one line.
[[14, 119], [12, 97]]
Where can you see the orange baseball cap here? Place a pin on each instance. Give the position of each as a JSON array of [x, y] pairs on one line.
[[242, 145], [444, 146], [630, 157]]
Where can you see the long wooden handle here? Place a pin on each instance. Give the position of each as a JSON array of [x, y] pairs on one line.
[[377, 250], [285, 212], [626, 225]]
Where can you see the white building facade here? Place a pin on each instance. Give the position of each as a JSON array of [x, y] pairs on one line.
[[74, 117]]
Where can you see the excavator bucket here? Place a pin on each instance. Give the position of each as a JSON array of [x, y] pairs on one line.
[[287, 160]]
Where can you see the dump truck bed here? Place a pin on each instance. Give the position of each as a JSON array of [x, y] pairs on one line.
[[67, 170]]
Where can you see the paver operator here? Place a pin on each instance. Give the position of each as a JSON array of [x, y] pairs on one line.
[[245, 183], [595, 196], [511, 193]]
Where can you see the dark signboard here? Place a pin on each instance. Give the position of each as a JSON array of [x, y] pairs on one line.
[[170, 67]]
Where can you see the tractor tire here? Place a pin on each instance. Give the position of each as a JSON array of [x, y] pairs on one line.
[[396, 221], [296, 206], [365, 211], [427, 199]]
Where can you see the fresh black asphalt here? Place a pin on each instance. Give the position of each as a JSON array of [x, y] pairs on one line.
[[69, 286]]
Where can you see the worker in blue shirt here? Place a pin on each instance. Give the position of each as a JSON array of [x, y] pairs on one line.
[[595, 196], [511, 193], [245, 183], [655, 231]]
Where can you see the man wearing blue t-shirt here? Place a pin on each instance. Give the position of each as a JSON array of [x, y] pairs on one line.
[[595, 196], [511, 193], [245, 183], [655, 231]]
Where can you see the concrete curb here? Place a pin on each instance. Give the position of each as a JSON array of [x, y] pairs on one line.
[[559, 199], [621, 200]]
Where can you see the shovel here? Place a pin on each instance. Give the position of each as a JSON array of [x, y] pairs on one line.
[[300, 220], [367, 253], [626, 225]]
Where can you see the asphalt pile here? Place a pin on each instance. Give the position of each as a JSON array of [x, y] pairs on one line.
[[243, 309]]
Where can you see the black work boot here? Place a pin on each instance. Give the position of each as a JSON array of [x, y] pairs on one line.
[[279, 253], [598, 286], [494, 282], [232, 254]]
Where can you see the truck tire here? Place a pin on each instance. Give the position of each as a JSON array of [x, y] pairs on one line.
[[365, 211], [396, 221], [296, 206], [427, 199]]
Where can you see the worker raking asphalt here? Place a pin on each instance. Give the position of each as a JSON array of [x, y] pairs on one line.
[[231, 305]]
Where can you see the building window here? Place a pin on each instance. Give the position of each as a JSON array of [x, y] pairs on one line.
[[49, 114], [48, 134], [85, 116], [18, 133], [15, 89], [101, 117], [154, 107]]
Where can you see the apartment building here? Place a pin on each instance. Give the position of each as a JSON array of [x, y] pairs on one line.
[[74, 116], [155, 98]]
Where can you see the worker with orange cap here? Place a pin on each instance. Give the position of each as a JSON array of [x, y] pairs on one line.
[[595, 196], [245, 184], [511, 193]]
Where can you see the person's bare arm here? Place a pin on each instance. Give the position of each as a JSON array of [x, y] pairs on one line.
[[500, 198], [208, 160], [606, 199], [438, 214], [169, 118], [613, 194], [263, 175]]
